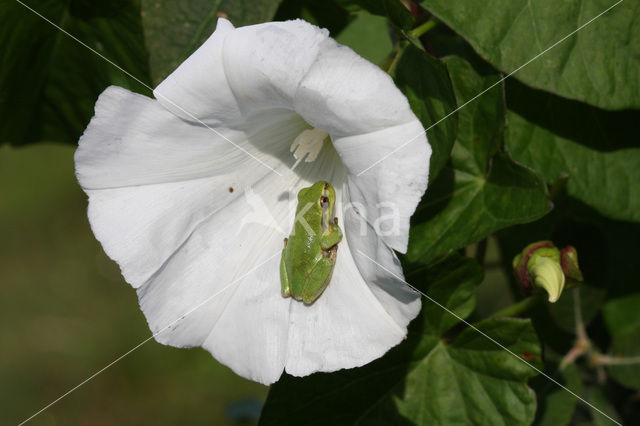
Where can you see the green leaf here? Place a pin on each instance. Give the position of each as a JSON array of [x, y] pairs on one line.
[[395, 10], [600, 64], [323, 13], [597, 398], [621, 315], [368, 36], [626, 345], [49, 82], [173, 30], [483, 190], [451, 282], [594, 147], [425, 380], [555, 405], [425, 82]]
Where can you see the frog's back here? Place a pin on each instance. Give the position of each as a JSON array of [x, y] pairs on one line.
[[302, 259]]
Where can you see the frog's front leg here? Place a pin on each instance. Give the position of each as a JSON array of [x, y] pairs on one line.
[[320, 274], [284, 275], [331, 236]]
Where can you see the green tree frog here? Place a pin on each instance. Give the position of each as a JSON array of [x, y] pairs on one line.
[[309, 253]]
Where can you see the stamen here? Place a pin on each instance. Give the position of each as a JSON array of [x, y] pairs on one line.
[[308, 145]]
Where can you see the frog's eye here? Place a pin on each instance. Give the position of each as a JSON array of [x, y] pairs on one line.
[[323, 201]]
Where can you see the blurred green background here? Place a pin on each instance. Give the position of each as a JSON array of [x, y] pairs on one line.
[[66, 312]]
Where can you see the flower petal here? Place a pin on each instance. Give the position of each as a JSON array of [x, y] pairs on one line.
[[346, 327], [353, 322], [389, 189], [216, 286], [380, 267], [218, 291], [346, 95], [265, 63], [251, 335], [132, 140], [198, 89], [152, 178]]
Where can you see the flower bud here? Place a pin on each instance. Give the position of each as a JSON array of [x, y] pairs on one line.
[[542, 265], [569, 262], [520, 263], [545, 270]]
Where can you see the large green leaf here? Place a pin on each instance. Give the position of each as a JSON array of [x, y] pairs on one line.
[[594, 147], [600, 64], [368, 36], [49, 82], [625, 348], [426, 380], [622, 318], [327, 14], [395, 10], [425, 82], [556, 405], [174, 29], [482, 190], [597, 397], [622, 315]]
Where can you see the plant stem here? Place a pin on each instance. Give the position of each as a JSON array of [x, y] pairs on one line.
[[423, 29], [612, 360], [582, 345], [396, 58], [518, 308]]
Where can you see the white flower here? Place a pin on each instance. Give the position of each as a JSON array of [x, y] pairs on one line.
[[165, 181]]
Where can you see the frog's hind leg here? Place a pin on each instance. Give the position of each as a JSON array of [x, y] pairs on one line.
[[284, 275], [321, 273]]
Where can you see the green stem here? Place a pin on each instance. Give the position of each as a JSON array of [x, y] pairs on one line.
[[518, 308], [612, 360], [396, 57], [423, 29]]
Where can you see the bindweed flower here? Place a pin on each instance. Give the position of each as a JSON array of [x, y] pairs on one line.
[[189, 193], [543, 266]]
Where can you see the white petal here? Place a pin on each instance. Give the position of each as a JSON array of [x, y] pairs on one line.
[[251, 336], [224, 295], [198, 89], [265, 63], [379, 267], [346, 327], [153, 178], [226, 300], [345, 95], [141, 226], [132, 140], [353, 322], [392, 188]]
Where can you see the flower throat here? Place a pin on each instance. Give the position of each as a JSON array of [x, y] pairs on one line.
[[307, 145]]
